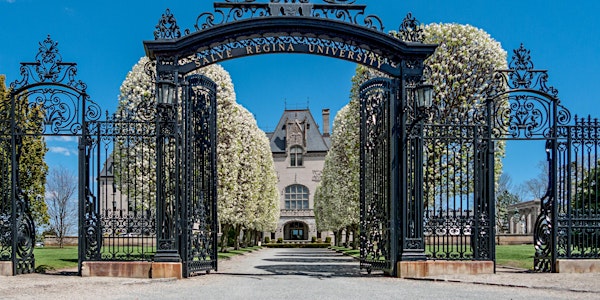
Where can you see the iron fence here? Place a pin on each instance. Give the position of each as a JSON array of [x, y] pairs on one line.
[[578, 190]]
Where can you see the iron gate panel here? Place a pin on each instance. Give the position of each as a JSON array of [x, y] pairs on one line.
[[377, 232], [48, 100], [458, 215], [5, 182], [199, 176], [119, 212], [578, 190]]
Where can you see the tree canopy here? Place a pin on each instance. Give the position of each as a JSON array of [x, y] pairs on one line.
[[32, 167], [461, 69], [247, 182]]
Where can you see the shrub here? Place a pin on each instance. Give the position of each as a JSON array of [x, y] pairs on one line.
[[313, 239], [267, 239], [328, 240], [279, 240]]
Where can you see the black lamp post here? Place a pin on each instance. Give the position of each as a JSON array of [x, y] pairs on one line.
[[413, 245], [166, 98]]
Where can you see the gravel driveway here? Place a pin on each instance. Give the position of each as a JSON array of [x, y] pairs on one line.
[[271, 274]]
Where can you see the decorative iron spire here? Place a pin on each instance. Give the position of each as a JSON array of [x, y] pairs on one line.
[[411, 30], [167, 27]]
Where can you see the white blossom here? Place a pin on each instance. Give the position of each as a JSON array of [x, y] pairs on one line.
[[247, 183]]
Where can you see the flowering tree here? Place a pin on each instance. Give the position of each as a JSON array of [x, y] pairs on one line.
[[461, 69], [247, 194], [254, 206], [337, 202]]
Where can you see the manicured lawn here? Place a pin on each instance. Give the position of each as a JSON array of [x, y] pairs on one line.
[[347, 251], [54, 258], [230, 253], [518, 256]]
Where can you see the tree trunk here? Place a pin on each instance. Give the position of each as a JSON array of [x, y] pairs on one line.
[[238, 230], [348, 245], [355, 237], [224, 236]]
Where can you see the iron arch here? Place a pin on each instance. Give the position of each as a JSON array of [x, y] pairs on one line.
[[305, 35], [336, 29]]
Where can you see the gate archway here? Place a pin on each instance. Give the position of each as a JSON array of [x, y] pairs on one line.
[[48, 100], [338, 29], [526, 109]]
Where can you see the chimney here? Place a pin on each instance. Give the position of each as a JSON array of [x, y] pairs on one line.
[[326, 122]]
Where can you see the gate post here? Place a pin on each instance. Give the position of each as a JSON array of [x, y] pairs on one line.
[[167, 160], [395, 174], [412, 246]]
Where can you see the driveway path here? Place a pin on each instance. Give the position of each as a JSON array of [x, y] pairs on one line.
[[271, 274]]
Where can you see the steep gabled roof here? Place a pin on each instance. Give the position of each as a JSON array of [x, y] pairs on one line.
[[315, 142]]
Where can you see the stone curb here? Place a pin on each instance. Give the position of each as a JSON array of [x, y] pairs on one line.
[[500, 284]]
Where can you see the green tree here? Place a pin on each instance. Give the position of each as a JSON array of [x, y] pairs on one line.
[[504, 199], [32, 167], [587, 196]]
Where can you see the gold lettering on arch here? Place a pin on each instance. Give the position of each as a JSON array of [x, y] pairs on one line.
[[365, 58]]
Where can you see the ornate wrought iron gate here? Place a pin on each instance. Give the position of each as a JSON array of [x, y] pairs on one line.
[[47, 101], [458, 189], [199, 176], [578, 192], [378, 231]]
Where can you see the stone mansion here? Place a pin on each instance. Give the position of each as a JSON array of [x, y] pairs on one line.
[[299, 151]]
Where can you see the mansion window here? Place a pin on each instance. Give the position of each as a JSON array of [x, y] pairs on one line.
[[296, 197], [296, 156]]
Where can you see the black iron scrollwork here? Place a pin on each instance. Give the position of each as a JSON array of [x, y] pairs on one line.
[[50, 85], [375, 238], [49, 68], [339, 10], [167, 27], [411, 30], [524, 106], [543, 228]]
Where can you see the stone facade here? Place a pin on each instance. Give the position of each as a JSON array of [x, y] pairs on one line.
[[299, 150]]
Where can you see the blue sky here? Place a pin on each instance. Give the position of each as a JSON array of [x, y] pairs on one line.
[[105, 39]]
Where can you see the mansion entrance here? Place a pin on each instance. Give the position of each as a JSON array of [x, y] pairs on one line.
[[295, 231]]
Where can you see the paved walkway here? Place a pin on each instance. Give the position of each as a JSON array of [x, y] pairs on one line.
[[302, 274], [508, 277]]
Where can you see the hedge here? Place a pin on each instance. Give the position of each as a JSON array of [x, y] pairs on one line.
[[292, 245]]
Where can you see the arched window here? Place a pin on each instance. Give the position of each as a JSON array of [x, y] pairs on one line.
[[296, 156], [296, 197]]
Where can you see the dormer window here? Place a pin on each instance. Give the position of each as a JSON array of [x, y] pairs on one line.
[[296, 153]]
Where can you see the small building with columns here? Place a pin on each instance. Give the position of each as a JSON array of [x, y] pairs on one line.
[[523, 221]]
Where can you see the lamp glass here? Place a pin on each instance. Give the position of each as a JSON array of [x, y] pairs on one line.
[[425, 96], [166, 94]]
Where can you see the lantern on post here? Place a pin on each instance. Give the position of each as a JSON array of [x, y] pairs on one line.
[[424, 96], [166, 93]]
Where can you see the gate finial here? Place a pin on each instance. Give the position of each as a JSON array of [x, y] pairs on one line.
[[167, 27], [411, 30]]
